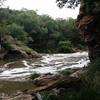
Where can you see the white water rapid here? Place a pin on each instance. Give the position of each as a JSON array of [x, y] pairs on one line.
[[49, 63]]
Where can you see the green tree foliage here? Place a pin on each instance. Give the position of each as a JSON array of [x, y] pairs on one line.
[[41, 33], [17, 32], [65, 46], [90, 6]]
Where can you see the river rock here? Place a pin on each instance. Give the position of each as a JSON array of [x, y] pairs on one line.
[[20, 97]]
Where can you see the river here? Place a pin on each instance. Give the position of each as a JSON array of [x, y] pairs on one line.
[[48, 63]]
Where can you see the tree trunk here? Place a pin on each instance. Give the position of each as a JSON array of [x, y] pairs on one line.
[[89, 26]]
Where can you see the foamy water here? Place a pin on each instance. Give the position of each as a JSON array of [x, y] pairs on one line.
[[49, 63]]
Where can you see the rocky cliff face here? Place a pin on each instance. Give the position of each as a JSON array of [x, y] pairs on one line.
[[89, 26]]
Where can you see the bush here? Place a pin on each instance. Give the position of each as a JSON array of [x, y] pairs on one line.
[[94, 75], [65, 46], [94, 68], [35, 75]]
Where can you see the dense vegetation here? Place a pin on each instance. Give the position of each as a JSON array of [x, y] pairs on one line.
[[45, 34], [41, 33]]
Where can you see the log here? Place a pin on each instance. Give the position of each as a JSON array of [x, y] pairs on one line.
[[59, 82], [64, 82]]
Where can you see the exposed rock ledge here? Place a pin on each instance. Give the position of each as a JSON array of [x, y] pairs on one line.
[[17, 54], [14, 49]]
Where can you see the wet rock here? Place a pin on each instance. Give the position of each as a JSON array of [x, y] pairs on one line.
[[16, 96], [22, 97], [79, 73], [19, 54], [11, 54], [3, 52]]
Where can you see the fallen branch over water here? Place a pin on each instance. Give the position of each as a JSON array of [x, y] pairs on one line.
[[58, 81]]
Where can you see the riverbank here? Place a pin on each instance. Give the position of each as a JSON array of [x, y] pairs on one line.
[[32, 89], [30, 75]]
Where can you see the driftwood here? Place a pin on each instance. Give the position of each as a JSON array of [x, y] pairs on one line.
[[47, 83], [63, 82]]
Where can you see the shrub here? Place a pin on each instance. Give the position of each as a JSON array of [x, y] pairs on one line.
[[33, 76], [65, 46], [93, 75]]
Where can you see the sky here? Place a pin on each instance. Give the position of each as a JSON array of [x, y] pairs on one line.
[[48, 7]]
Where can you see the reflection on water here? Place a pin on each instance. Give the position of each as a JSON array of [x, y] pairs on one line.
[[49, 63]]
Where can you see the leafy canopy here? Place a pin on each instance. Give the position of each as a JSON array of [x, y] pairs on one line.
[[68, 3], [90, 6]]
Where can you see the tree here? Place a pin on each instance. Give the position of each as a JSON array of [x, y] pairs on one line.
[[88, 23], [68, 3], [17, 32], [1, 2], [40, 32], [65, 46]]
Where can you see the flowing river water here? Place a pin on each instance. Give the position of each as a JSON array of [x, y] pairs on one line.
[[48, 63]]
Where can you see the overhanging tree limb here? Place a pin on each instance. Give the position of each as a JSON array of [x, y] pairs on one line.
[[68, 3], [1, 2]]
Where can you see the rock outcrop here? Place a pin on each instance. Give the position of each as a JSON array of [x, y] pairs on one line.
[[89, 25], [14, 49]]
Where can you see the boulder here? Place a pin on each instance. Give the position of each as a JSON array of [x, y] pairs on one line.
[[14, 49], [17, 54]]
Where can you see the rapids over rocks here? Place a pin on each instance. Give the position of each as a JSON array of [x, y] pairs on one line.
[[48, 63]]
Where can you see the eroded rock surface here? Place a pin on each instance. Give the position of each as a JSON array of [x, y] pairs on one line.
[[12, 49], [88, 22]]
